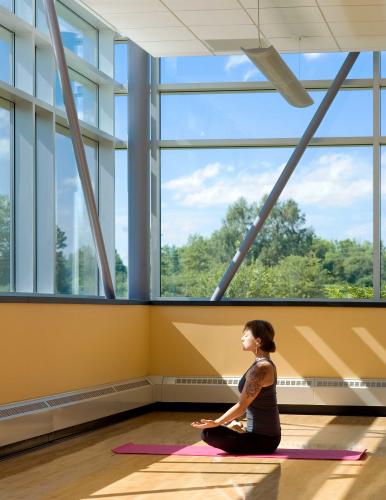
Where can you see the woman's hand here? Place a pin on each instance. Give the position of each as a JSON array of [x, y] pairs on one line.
[[204, 424]]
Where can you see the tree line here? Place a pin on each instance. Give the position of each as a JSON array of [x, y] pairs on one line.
[[83, 259], [287, 259]]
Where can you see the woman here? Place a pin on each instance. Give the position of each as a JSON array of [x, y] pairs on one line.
[[257, 389]]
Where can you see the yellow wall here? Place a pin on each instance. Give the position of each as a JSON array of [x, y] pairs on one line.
[[311, 341], [51, 348]]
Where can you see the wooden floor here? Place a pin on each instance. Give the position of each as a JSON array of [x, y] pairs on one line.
[[84, 467]]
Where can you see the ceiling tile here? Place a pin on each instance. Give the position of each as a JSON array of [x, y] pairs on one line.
[[159, 34], [285, 15], [264, 4], [148, 20], [201, 4], [127, 6], [225, 32], [351, 2], [355, 13], [364, 42], [189, 47], [289, 29], [361, 29], [307, 44], [213, 17]]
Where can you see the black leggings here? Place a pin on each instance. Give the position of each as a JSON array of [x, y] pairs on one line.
[[247, 443]]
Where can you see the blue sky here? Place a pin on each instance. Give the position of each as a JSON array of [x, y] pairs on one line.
[[5, 126], [332, 185]]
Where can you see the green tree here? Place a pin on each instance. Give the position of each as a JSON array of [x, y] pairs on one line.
[[121, 288], [62, 264], [5, 243]]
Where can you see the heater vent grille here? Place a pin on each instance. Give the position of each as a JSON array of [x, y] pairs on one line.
[[207, 381], [294, 382], [54, 402], [286, 382], [19, 410], [131, 385], [80, 397], [353, 384]]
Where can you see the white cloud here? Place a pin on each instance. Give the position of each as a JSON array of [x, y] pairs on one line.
[[194, 181], [177, 226], [333, 180], [360, 232], [235, 61], [250, 73], [313, 55], [4, 149]]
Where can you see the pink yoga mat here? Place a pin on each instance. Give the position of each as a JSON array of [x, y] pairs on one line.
[[209, 451]]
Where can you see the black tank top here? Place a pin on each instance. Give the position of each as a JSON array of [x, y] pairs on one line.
[[263, 413]]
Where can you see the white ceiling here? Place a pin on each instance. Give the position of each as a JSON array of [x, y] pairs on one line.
[[203, 27]]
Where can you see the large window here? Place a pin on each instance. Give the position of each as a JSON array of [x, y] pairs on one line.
[[121, 122], [77, 34], [76, 264], [318, 240], [261, 114], [7, 4], [238, 68], [85, 96], [121, 62], [6, 59], [121, 173], [121, 223], [5, 195], [383, 222]]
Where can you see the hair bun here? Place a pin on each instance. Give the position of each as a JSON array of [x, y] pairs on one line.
[[270, 346]]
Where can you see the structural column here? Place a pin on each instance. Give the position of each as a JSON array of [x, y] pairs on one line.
[[138, 178]]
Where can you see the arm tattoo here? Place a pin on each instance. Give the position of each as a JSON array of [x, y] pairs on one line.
[[255, 379]]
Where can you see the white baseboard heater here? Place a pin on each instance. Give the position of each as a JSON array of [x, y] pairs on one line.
[[29, 419]]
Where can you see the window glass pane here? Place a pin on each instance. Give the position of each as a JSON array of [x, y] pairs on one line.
[[121, 223], [261, 114], [383, 112], [6, 51], [238, 68], [121, 62], [7, 4], [383, 222], [77, 34], [383, 64], [76, 264], [316, 243], [85, 95], [121, 116], [5, 196]]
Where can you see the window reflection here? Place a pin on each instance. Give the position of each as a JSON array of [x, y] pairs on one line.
[[76, 264], [85, 96], [121, 223], [77, 34], [5, 196], [6, 58]]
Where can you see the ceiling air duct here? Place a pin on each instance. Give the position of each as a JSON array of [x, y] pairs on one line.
[[269, 62]]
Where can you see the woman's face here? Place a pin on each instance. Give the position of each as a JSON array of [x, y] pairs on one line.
[[248, 341]]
